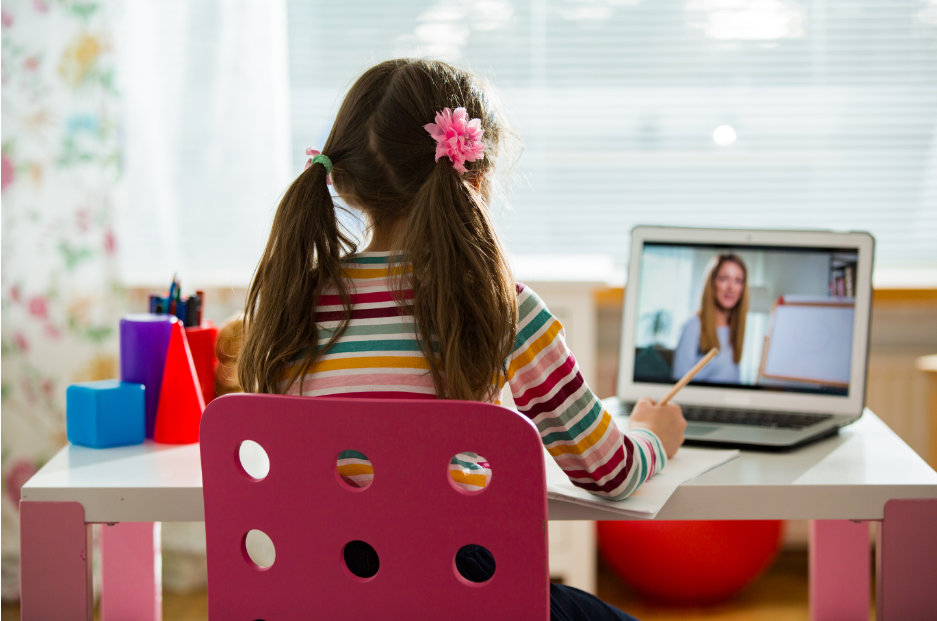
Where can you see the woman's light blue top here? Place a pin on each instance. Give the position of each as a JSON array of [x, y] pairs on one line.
[[720, 369]]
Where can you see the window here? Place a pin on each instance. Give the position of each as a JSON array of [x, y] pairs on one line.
[[753, 113], [206, 147]]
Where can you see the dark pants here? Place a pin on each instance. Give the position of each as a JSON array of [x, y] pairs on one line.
[[475, 563], [570, 604], [566, 603]]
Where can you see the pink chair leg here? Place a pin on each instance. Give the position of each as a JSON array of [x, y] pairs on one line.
[[906, 563], [840, 570], [131, 578], [55, 561]]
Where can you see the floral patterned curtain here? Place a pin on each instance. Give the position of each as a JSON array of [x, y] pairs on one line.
[[61, 162]]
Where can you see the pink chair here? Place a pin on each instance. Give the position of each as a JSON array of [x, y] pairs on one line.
[[412, 515]]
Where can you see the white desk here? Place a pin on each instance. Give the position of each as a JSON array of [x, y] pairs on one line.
[[866, 474]]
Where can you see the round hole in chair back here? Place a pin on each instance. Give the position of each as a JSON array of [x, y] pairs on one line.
[[253, 459], [361, 558], [475, 563], [354, 470], [469, 472], [258, 549]]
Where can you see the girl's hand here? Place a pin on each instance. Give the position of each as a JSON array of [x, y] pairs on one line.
[[666, 421]]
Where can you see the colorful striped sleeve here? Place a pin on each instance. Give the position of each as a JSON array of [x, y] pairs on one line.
[[577, 431]]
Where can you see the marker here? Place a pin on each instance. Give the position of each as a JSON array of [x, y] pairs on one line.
[[198, 309], [177, 305], [171, 298], [193, 312], [689, 375]]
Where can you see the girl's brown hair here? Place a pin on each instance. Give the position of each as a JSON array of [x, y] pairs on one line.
[[464, 299], [708, 338]]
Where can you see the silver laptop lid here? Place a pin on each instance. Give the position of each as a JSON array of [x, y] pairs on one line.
[[804, 346]]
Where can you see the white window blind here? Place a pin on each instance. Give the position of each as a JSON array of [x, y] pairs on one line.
[[755, 113]]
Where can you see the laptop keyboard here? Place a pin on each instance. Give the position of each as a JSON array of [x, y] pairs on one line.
[[758, 418]]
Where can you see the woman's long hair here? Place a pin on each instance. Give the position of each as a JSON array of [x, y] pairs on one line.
[[707, 314], [464, 299]]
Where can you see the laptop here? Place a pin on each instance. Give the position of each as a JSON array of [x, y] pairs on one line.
[[792, 372]]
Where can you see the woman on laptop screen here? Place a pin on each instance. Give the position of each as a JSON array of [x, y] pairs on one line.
[[720, 322]]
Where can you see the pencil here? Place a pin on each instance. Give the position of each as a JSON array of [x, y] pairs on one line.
[[689, 375]]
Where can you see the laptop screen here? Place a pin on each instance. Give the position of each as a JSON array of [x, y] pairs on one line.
[[782, 315]]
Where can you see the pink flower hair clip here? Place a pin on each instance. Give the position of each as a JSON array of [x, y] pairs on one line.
[[316, 157], [457, 137]]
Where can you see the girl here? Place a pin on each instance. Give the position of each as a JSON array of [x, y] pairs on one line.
[[720, 323], [430, 308]]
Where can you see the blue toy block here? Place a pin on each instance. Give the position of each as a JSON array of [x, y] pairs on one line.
[[105, 413]]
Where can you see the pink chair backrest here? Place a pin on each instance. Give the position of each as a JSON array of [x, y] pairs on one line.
[[411, 514]]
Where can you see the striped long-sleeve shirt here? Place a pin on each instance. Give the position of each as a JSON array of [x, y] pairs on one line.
[[379, 355]]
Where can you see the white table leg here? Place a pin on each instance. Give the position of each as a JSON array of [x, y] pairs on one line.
[[131, 572], [840, 570], [55, 562], [906, 561]]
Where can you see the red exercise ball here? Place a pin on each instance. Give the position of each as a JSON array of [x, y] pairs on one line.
[[689, 563]]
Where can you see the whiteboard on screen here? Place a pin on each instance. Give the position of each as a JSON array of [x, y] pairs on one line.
[[810, 343]]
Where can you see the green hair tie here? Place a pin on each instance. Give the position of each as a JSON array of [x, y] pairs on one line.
[[325, 161], [318, 158]]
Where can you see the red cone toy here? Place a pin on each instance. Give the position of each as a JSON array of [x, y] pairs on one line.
[[180, 397]]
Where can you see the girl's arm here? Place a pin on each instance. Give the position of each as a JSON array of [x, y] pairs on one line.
[[577, 431]]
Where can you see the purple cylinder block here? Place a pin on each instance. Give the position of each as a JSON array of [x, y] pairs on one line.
[[144, 339]]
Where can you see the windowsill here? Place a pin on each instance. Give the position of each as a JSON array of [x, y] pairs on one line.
[[597, 269], [610, 297], [915, 279]]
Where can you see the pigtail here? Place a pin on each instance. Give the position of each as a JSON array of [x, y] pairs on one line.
[[464, 298], [303, 254]]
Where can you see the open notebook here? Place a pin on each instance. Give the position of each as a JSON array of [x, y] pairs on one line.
[[796, 373]]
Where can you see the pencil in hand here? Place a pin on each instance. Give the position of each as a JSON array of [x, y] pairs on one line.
[[689, 375]]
